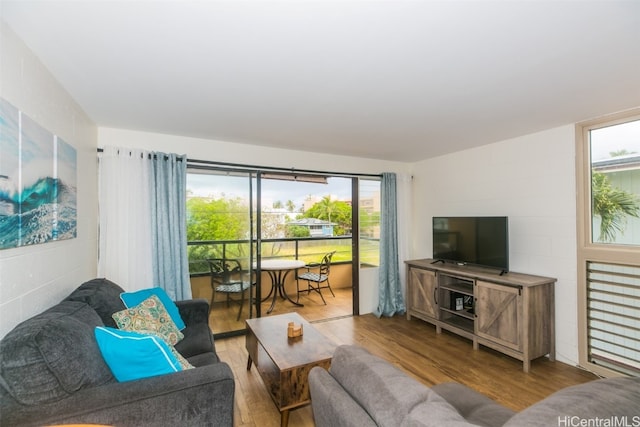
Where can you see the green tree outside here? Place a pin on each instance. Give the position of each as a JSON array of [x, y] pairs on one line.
[[368, 223], [334, 211], [619, 153], [612, 205], [223, 219], [296, 231], [215, 219]]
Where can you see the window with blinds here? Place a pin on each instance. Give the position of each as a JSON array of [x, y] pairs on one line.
[[613, 316]]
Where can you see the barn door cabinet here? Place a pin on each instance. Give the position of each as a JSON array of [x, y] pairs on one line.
[[512, 313], [422, 290]]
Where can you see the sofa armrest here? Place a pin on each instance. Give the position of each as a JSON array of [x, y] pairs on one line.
[[197, 334], [476, 408], [195, 397], [194, 311], [332, 405]]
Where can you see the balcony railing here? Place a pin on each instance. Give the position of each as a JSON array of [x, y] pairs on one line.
[[308, 249]]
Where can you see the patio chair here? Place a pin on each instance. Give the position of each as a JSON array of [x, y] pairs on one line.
[[227, 278], [316, 275]]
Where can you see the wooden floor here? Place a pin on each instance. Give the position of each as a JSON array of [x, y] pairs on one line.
[[415, 348]]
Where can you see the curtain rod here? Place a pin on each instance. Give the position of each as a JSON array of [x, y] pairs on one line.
[[205, 164], [202, 164], [179, 159]]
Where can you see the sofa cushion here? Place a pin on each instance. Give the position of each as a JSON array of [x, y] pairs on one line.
[[131, 299], [606, 399], [203, 359], [103, 296], [132, 355], [149, 317], [360, 373], [52, 355]]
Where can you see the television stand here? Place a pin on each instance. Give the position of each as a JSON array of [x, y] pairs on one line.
[[511, 312]]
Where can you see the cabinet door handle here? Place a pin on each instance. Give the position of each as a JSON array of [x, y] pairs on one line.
[[435, 295]]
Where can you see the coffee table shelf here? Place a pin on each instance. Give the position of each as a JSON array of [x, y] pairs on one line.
[[284, 363]]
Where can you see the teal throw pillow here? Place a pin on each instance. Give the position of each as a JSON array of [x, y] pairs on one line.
[[131, 299], [132, 356]]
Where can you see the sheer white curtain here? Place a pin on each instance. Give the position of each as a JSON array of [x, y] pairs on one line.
[[125, 242], [404, 192]]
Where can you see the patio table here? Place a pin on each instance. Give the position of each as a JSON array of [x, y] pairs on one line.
[[278, 270]]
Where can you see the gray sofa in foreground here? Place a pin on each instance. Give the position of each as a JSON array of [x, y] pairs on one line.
[[362, 390], [52, 371]]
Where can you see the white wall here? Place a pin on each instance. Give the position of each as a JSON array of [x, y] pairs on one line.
[[531, 179], [202, 149], [221, 151], [34, 278]]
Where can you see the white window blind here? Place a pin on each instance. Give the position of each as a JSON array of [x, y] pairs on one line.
[[613, 314]]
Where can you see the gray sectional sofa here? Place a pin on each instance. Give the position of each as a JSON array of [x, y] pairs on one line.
[[362, 390], [52, 371]]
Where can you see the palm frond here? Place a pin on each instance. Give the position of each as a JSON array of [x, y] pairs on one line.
[[613, 206]]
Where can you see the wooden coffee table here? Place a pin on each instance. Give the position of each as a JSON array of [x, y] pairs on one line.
[[284, 363]]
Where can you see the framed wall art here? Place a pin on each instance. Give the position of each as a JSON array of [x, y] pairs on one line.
[[38, 182]]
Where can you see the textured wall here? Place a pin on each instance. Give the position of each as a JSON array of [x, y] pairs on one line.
[[32, 278], [530, 179]]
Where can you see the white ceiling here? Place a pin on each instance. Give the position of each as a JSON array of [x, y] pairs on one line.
[[396, 80]]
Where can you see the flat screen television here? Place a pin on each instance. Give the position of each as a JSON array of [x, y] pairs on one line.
[[478, 240]]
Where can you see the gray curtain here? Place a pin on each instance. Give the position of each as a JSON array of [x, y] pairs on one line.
[[169, 225], [390, 299]]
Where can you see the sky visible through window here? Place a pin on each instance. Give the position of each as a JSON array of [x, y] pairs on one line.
[[615, 138], [217, 186]]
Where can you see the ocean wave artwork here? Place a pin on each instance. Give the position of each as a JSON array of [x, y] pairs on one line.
[[38, 182]]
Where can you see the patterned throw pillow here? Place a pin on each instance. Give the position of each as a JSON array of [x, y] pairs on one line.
[[184, 363], [149, 317], [131, 299]]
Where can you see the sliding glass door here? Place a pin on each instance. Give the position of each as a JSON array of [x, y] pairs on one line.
[[238, 219], [306, 217], [221, 249]]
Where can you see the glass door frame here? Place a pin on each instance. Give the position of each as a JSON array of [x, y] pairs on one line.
[[255, 214]]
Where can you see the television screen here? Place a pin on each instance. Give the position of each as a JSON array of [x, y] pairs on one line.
[[481, 241]]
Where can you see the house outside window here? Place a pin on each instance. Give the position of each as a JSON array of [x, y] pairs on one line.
[[316, 227]]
